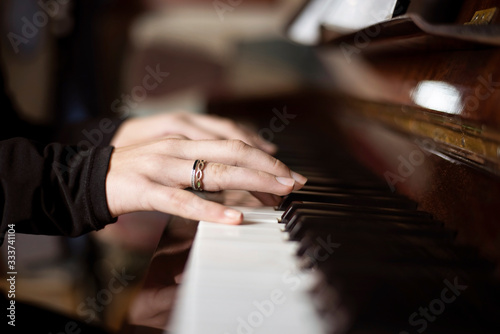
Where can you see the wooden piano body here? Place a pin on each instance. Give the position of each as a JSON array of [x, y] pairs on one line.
[[433, 89]]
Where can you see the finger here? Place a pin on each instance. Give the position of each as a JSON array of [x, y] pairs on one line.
[[166, 125], [228, 129], [230, 152], [217, 177], [263, 144], [255, 139], [193, 131], [185, 204], [267, 199]]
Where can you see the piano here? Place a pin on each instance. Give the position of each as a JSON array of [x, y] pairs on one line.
[[397, 229]]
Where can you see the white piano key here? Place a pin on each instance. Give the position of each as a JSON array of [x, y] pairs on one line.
[[235, 272]]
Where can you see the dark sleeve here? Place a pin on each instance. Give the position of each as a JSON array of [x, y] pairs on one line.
[[53, 189]]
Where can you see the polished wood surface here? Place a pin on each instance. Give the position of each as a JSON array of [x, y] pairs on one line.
[[391, 71], [430, 93], [455, 190]]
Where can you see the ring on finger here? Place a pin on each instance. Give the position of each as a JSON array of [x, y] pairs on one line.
[[197, 175]]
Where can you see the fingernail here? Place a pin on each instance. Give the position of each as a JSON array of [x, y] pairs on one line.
[[285, 181], [233, 214], [299, 178]]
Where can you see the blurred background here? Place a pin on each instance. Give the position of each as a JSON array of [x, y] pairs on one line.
[[72, 63], [69, 62]]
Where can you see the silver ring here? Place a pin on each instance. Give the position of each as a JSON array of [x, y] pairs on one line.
[[197, 175]]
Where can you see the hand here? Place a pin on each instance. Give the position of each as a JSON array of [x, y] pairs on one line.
[[192, 126], [152, 177]]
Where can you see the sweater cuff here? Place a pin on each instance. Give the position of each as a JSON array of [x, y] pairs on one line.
[[116, 123], [96, 190]]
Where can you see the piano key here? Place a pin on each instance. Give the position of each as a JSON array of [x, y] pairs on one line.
[[370, 201], [356, 215], [341, 190], [391, 248], [226, 265], [353, 225], [328, 181], [327, 207], [372, 292], [385, 259]]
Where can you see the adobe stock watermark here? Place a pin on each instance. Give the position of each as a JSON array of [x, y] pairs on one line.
[[223, 6], [122, 106], [31, 26], [323, 250], [277, 124], [263, 309], [483, 91], [71, 327], [90, 308], [94, 305], [291, 280], [408, 164], [364, 37], [436, 307]]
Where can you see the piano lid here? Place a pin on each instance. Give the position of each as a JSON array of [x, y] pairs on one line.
[[428, 73], [343, 17]]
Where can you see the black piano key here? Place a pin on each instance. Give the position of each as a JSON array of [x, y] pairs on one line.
[[386, 258], [344, 249], [352, 224], [370, 201], [356, 183], [326, 207], [371, 292], [342, 190], [356, 215]]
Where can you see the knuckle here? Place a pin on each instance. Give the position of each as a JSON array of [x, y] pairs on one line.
[[237, 145], [276, 163], [169, 143], [152, 162], [280, 166]]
